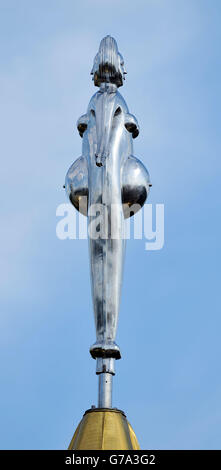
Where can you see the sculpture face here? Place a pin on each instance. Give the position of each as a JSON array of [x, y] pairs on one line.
[[108, 174]]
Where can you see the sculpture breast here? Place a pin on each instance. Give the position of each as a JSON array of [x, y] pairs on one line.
[[107, 130]]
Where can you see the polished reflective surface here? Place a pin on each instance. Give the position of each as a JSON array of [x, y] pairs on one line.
[[108, 175]]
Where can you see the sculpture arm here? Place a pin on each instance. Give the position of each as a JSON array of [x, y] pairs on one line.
[[132, 125], [82, 124]]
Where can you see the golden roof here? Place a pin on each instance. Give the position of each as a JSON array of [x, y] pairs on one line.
[[104, 429]]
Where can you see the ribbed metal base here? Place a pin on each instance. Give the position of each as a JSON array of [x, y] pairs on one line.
[[104, 429]]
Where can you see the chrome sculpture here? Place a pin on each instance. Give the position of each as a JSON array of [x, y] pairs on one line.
[[107, 180]]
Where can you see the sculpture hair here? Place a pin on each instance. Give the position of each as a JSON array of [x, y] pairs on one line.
[[108, 63]]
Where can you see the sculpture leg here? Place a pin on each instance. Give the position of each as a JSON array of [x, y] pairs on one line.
[[107, 256]]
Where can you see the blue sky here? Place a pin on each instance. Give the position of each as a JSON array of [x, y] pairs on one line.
[[169, 379]]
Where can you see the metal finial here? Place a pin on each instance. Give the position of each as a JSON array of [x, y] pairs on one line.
[[107, 184]]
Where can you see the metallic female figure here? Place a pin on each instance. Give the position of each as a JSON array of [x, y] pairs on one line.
[[104, 184]]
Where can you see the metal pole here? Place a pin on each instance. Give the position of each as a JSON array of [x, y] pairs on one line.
[[105, 390], [105, 370]]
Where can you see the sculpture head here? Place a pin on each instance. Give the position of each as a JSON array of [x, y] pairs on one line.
[[108, 64]]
